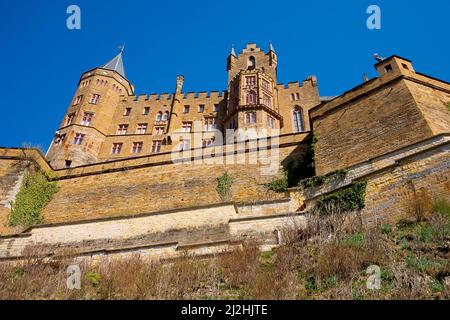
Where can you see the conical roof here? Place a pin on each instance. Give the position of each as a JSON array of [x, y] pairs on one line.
[[116, 64]]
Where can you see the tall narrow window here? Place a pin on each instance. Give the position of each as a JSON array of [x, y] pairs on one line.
[[298, 120], [156, 146], [70, 118], [146, 111], [122, 129], [87, 118], [59, 139], [250, 81], [251, 64], [271, 122], [186, 109], [266, 85], [94, 99], [201, 108], [137, 147], [158, 116], [165, 116], [127, 112], [250, 117], [216, 108], [78, 138], [141, 128], [251, 97], [78, 99], [116, 148], [267, 100]]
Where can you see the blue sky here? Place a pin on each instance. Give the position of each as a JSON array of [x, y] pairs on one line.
[[41, 60]]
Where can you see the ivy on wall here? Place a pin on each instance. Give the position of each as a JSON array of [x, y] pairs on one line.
[[347, 199], [223, 187], [35, 193], [327, 178]]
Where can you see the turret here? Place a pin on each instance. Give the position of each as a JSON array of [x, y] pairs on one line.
[[88, 118]]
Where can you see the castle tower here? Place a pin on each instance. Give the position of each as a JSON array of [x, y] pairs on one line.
[[253, 98], [88, 118]]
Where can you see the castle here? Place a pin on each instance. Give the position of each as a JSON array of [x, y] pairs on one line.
[[107, 121], [120, 190]]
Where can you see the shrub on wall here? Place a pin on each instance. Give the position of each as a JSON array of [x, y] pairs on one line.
[[348, 199], [34, 194], [223, 188], [279, 185]]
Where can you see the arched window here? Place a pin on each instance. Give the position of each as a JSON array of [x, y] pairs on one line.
[[159, 116], [165, 116], [251, 97], [298, 119], [251, 64]]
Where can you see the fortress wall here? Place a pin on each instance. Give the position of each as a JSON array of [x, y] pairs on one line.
[[385, 120], [395, 181], [160, 187], [164, 235]]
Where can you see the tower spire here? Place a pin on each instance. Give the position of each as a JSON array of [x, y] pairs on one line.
[[116, 64], [232, 51], [271, 46]]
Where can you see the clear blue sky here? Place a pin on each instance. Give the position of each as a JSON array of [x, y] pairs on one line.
[[41, 60]]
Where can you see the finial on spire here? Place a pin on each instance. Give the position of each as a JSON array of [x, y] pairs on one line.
[[122, 47], [232, 50], [271, 46]]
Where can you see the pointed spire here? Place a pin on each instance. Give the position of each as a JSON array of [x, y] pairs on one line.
[[116, 64], [232, 51], [271, 46]]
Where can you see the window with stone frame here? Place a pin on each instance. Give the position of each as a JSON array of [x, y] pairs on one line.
[[78, 99], [250, 80], [251, 98], [122, 129], [187, 127], [78, 139], [159, 130], [70, 118], [156, 146], [209, 124], [94, 99], [141, 128], [116, 148], [267, 100], [137, 147], [250, 117], [87, 118]]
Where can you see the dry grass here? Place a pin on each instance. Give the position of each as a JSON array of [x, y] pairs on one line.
[[326, 260]]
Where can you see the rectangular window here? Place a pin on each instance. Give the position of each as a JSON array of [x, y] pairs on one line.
[[266, 85], [94, 99], [186, 109], [59, 139], [250, 117], [78, 99], [87, 118], [122, 129], [78, 138], [187, 126], [146, 111], [201, 108], [116, 148], [159, 130], [141, 128], [156, 146], [70, 118], [216, 108], [388, 68], [185, 144], [267, 100], [127, 112], [250, 81], [209, 123], [137, 147]]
